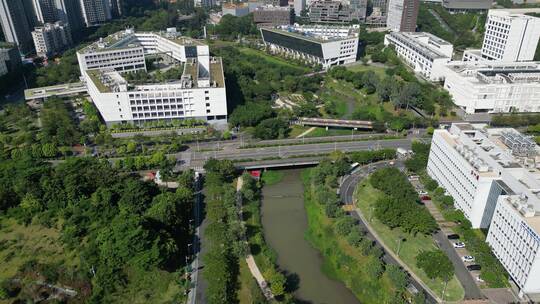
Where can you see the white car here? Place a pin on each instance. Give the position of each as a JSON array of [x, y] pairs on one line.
[[478, 279], [459, 245], [467, 258]]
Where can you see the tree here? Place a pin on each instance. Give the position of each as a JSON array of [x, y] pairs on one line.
[[397, 276], [250, 114], [435, 264], [272, 128], [344, 225], [277, 281]]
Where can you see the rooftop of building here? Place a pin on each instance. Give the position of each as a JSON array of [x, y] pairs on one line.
[[414, 39], [514, 12], [298, 32], [501, 153], [234, 5], [129, 39], [490, 72], [194, 75]]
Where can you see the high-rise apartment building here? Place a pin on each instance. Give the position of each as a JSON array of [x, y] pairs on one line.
[[15, 24], [381, 4], [299, 6], [327, 11], [358, 9], [70, 12], [96, 12], [46, 11], [116, 8], [510, 36], [51, 38], [10, 58], [402, 15]]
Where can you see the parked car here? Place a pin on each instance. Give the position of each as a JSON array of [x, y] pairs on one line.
[[459, 245], [474, 267], [467, 258], [422, 192], [453, 236], [478, 279], [425, 198]]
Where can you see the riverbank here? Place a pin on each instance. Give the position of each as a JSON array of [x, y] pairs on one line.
[[285, 222], [348, 256]]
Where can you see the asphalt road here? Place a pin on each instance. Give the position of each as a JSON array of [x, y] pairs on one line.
[[472, 292], [346, 192], [295, 150]]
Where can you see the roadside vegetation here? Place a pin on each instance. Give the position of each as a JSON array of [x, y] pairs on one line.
[[390, 204], [349, 256]]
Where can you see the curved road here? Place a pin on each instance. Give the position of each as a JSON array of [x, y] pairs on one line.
[[346, 192], [472, 292]]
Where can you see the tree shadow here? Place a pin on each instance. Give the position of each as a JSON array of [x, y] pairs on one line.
[[293, 281]]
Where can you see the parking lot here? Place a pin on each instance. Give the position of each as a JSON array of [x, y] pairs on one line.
[[469, 278]]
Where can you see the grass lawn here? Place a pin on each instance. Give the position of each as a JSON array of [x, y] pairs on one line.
[[297, 130], [271, 177], [366, 196], [19, 244], [364, 68], [249, 291], [321, 132], [271, 59]]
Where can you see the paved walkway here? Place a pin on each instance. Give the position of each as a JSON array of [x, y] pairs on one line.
[[306, 132], [252, 265]]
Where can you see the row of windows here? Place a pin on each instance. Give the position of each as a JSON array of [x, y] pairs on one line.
[[164, 94], [163, 101]]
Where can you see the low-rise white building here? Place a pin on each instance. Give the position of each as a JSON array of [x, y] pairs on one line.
[[494, 87], [313, 44], [427, 54], [494, 177], [199, 93]]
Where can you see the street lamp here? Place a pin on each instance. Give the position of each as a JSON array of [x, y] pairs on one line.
[[399, 244]]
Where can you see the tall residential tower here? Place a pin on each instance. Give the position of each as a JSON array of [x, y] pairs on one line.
[[15, 24], [402, 15]]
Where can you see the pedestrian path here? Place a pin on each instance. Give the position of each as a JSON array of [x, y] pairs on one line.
[[250, 260], [306, 132]]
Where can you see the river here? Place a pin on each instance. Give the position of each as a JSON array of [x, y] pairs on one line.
[[285, 222]]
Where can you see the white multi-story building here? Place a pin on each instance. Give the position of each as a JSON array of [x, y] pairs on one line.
[[493, 176], [425, 53], [510, 36], [313, 44], [51, 38], [494, 87], [514, 236], [199, 93]]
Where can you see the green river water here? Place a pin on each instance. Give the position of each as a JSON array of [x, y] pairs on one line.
[[285, 223]]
